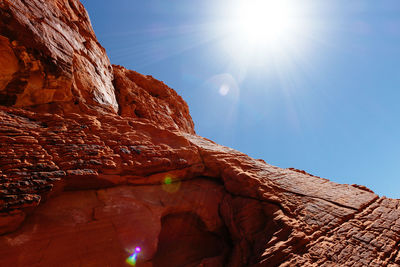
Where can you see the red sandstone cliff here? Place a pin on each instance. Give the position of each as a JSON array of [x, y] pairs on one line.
[[97, 160]]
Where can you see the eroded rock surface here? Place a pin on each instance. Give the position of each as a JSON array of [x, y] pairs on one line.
[[142, 96], [94, 179], [50, 57]]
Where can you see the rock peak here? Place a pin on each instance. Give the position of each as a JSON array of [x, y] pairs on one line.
[[51, 61]]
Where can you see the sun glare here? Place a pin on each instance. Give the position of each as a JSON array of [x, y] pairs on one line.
[[265, 21], [264, 26]]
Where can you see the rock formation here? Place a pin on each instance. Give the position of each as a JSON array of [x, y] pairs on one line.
[[51, 58], [101, 166]]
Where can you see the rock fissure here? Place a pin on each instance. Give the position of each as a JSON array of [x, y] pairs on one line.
[[333, 202]]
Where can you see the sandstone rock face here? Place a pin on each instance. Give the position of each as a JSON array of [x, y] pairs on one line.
[[91, 187], [144, 97], [50, 57]]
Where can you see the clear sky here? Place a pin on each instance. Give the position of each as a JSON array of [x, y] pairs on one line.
[[313, 85]]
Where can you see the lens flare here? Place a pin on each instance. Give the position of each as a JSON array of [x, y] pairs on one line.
[[131, 260], [171, 184], [167, 180], [224, 89]]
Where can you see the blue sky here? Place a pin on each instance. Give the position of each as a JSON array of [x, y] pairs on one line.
[[326, 100]]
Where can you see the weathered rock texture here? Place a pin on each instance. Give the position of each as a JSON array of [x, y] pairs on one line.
[[117, 165], [144, 97], [50, 57]]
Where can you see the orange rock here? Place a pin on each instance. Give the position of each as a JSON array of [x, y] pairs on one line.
[[99, 164], [53, 59], [143, 97]]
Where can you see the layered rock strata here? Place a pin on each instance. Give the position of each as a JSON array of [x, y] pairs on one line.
[[100, 164]]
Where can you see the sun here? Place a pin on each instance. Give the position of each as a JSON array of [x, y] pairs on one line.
[[265, 21], [265, 26]]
